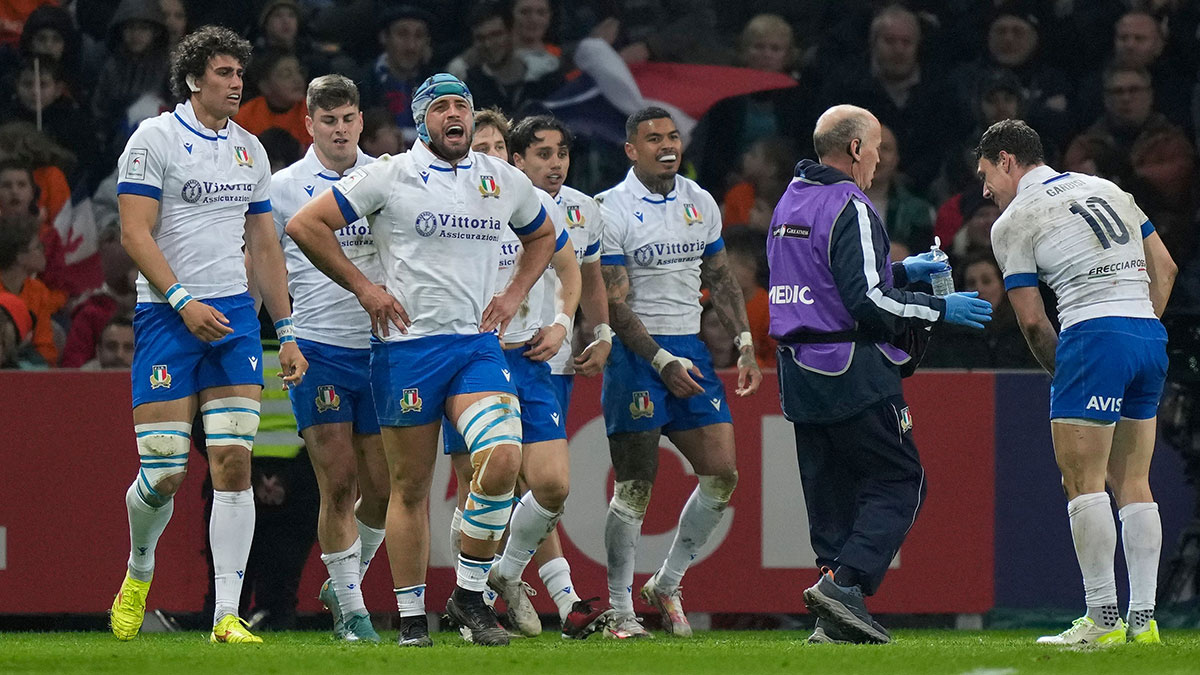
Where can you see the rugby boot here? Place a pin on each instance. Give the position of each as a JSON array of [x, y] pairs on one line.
[[358, 628], [516, 593], [469, 611], [586, 618], [128, 608], [1147, 636], [1084, 631], [414, 632], [233, 630], [328, 598], [626, 628], [670, 605]]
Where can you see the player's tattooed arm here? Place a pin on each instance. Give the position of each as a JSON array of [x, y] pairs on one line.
[[730, 306], [1035, 325], [624, 322]]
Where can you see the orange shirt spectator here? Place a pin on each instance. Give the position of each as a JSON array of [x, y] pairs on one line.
[[739, 200], [257, 116], [43, 303], [21, 257], [758, 312], [12, 17], [282, 86]]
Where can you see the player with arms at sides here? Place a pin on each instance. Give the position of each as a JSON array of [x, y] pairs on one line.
[[662, 239], [192, 185], [436, 214], [1088, 240], [333, 406]]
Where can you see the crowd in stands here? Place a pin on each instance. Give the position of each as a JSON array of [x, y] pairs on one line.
[[1110, 85]]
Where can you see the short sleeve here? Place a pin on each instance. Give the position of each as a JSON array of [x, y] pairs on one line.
[[612, 244], [260, 199], [595, 231], [1012, 243], [280, 209], [713, 241], [529, 213], [142, 165], [365, 190], [1138, 217]]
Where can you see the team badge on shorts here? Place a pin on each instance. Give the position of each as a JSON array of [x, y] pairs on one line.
[[574, 216], [327, 398], [159, 377], [642, 406], [691, 214], [488, 187], [410, 401], [905, 420], [243, 156]]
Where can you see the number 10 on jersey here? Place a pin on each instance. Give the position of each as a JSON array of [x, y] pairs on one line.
[[1091, 211]]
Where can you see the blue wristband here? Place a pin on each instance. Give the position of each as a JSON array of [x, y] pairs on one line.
[[284, 331], [178, 296]]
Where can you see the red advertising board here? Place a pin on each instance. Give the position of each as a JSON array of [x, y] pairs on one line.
[[67, 456]]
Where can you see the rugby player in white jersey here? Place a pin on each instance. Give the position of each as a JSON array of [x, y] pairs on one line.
[[192, 185], [436, 213], [662, 239], [335, 413], [1088, 240]]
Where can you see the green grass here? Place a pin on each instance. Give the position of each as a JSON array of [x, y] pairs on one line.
[[724, 652]]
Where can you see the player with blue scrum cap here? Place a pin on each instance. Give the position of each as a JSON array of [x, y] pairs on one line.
[[1088, 240], [192, 186], [436, 213]]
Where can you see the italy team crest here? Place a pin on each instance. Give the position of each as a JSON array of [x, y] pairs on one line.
[[327, 398], [574, 216], [488, 187], [243, 156], [906, 422], [691, 214], [642, 406], [410, 401], [159, 377]]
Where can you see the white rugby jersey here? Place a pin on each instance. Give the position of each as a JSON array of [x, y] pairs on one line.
[[580, 215], [1082, 235], [437, 230], [322, 310], [530, 314], [661, 241], [206, 182]]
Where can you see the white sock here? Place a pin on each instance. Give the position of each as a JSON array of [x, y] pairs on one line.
[[1141, 535], [371, 539], [230, 531], [456, 532], [556, 575], [621, 533], [410, 600], [146, 525], [531, 523], [472, 574], [1095, 535], [701, 515], [344, 571]]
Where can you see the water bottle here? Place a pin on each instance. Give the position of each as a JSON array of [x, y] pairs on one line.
[[943, 282]]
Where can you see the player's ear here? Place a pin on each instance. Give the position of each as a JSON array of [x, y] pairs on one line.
[[855, 149], [518, 161], [630, 152]]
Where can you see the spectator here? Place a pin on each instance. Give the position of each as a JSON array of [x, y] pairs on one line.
[[1000, 97], [747, 258], [19, 195], [974, 238], [1164, 168], [766, 196], [768, 159], [137, 61], [999, 345], [282, 148], [50, 33], [281, 85], [717, 339], [175, 18], [21, 259], [281, 27], [729, 129], [40, 88], [92, 313], [902, 95], [1129, 112], [1095, 156], [907, 217], [115, 347], [531, 22], [502, 78], [16, 325], [380, 134], [402, 67]]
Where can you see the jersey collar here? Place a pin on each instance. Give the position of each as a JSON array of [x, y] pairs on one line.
[[312, 165], [1037, 176], [423, 156], [637, 189], [185, 114]]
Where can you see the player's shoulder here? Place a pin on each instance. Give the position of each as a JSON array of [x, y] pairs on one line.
[[157, 129], [572, 196], [690, 190]]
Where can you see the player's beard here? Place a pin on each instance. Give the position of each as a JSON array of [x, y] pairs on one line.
[[440, 147]]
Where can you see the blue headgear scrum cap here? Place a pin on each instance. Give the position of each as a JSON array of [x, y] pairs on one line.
[[442, 84]]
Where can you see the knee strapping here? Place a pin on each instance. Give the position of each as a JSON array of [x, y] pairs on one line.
[[163, 452], [232, 420], [486, 516], [487, 424], [718, 489], [630, 499]]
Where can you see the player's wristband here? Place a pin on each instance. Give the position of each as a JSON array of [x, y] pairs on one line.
[[664, 358], [177, 297], [564, 321], [744, 340], [603, 332], [285, 331]]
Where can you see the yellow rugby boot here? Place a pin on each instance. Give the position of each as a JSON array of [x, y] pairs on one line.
[[1149, 636], [233, 630], [128, 608]]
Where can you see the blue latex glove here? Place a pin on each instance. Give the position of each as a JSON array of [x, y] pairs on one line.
[[967, 309], [920, 267]]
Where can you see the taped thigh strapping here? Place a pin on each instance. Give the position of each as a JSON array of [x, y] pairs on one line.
[[232, 420]]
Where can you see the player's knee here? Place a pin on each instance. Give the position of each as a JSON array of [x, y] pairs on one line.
[[491, 428], [486, 515], [339, 491], [719, 489], [502, 467], [630, 499], [163, 455], [230, 421], [230, 468], [552, 494]]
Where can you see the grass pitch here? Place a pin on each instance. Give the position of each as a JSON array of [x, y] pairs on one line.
[[724, 652]]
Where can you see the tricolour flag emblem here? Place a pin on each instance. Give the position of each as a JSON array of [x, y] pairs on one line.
[[159, 377], [574, 216], [906, 422], [243, 156], [691, 214], [488, 187], [327, 398], [410, 401], [642, 406]]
